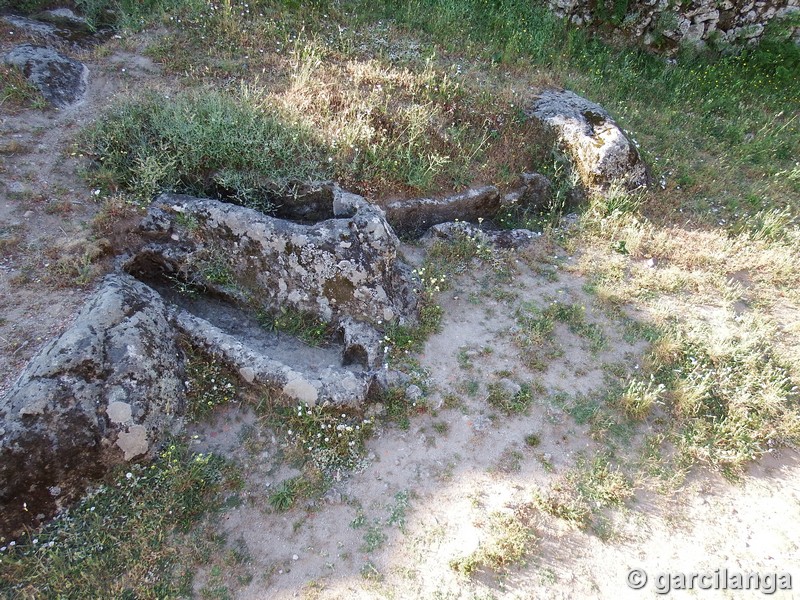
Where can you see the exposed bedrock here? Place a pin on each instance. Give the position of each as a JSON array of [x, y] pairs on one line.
[[342, 267], [105, 392], [61, 80], [412, 218]]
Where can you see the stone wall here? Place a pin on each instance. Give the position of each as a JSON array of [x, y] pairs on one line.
[[667, 24]]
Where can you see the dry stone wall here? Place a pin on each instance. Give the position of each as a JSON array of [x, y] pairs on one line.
[[667, 24]]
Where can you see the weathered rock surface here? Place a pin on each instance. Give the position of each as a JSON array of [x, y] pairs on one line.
[[667, 25], [329, 384], [414, 217], [58, 27], [31, 27], [103, 393], [61, 80], [64, 17], [601, 152], [363, 344], [341, 267]]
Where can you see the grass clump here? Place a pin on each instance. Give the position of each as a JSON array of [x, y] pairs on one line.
[[532, 440], [306, 326], [510, 539], [535, 330], [211, 385], [574, 316], [16, 93], [283, 498], [585, 491], [507, 398], [534, 336], [327, 439], [638, 398], [399, 408], [734, 401], [205, 143], [125, 539]]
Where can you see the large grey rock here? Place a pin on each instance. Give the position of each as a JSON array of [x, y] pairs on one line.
[[58, 27], [601, 152], [414, 217], [103, 393], [65, 17], [61, 80], [341, 267], [31, 27]]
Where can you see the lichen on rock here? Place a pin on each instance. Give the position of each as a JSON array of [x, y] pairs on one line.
[[601, 152], [345, 266], [105, 392]]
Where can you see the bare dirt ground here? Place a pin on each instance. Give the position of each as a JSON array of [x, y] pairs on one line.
[[424, 495], [446, 481]]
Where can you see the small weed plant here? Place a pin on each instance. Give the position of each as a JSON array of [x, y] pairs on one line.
[[331, 439], [510, 539], [585, 491]]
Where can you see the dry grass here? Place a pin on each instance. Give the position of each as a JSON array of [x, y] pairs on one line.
[[509, 540], [726, 366]]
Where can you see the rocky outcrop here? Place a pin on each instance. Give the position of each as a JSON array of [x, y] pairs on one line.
[[65, 18], [601, 153], [346, 266], [59, 27], [414, 217], [666, 25], [60, 79], [31, 27], [104, 392], [535, 192]]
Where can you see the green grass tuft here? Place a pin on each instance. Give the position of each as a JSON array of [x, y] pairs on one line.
[[205, 143], [125, 538]]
